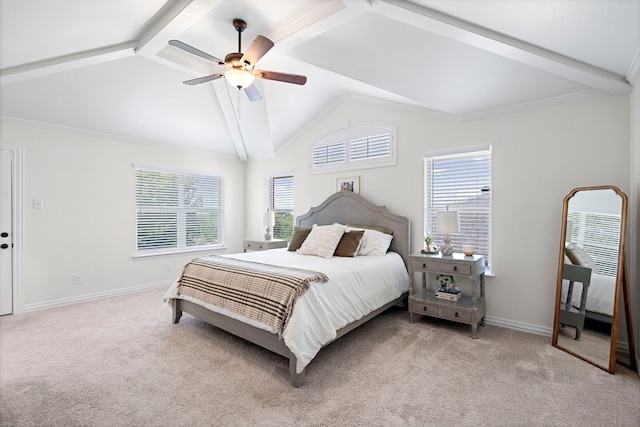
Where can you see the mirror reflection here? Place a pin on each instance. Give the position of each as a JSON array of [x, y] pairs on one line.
[[587, 312]]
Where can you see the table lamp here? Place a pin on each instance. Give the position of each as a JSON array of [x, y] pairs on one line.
[[269, 221], [447, 224]]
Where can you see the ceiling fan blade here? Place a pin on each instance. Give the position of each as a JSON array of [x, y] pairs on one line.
[[252, 93], [194, 51], [281, 77], [203, 79], [258, 47]]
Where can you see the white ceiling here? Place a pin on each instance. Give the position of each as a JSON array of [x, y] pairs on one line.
[[104, 66]]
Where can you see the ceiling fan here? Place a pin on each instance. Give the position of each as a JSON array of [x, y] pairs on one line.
[[240, 66]]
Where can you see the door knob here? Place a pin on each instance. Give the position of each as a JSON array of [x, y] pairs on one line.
[[4, 246]]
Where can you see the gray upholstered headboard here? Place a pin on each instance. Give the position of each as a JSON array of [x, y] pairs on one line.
[[346, 207]]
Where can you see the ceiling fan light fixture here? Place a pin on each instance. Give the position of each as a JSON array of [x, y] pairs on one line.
[[239, 78]]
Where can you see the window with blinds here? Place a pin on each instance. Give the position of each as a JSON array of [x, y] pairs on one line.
[[280, 201], [599, 235], [178, 211], [460, 181], [358, 145]]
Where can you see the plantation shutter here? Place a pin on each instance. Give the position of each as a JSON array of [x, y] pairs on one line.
[[460, 181], [370, 147]]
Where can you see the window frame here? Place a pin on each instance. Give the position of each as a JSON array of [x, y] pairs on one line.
[[180, 211], [283, 209], [478, 211], [339, 144], [598, 234]]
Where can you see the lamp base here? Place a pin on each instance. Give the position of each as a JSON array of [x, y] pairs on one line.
[[267, 234], [447, 247]]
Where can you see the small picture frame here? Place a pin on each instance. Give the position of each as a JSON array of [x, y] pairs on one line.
[[349, 183]]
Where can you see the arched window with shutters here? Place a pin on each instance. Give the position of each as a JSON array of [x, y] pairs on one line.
[[358, 145]]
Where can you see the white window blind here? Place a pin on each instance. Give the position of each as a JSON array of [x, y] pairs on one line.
[[178, 211], [461, 182], [358, 145], [599, 235], [280, 201]]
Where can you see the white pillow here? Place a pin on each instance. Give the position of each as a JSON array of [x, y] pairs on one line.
[[373, 243], [322, 241]]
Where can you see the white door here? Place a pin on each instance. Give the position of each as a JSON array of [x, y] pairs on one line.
[[6, 238]]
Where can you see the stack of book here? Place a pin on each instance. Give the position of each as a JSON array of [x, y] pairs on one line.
[[453, 294]]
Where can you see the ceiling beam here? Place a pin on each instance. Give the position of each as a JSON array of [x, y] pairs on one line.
[[310, 23], [65, 63], [500, 44], [221, 93], [175, 21]]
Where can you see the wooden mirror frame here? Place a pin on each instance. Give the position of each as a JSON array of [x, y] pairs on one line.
[[621, 286]]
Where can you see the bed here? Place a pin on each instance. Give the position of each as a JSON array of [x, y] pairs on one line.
[[343, 308], [600, 292], [600, 297]]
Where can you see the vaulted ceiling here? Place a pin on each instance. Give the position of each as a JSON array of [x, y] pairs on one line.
[[105, 66]]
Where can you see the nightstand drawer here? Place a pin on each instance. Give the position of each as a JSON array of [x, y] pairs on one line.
[[451, 268], [254, 246], [452, 313], [425, 309], [263, 245], [441, 267]]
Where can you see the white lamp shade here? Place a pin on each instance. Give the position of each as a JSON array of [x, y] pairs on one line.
[[448, 222], [239, 78], [268, 219]]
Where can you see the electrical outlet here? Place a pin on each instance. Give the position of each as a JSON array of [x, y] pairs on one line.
[[167, 267], [77, 280]]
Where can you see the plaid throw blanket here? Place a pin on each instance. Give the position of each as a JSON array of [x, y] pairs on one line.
[[262, 292]]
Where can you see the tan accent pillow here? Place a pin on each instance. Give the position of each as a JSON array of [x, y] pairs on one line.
[[349, 244], [299, 235], [322, 241], [578, 256]]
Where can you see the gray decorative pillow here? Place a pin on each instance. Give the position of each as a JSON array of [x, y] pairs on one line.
[[372, 227], [299, 235], [349, 244], [578, 256]]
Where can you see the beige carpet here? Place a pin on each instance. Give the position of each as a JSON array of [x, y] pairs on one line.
[[104, 363]]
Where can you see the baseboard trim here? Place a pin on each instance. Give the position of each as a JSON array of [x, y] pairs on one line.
[[519, 326], [92, 297]]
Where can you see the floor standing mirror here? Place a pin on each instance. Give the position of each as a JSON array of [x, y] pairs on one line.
[[592, 278]]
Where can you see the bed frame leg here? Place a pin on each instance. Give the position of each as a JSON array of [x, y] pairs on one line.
[[296, 378], [177, 311]]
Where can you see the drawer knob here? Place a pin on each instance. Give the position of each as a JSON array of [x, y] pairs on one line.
[[424, 308], [456, 314], [424, 265], [455, 268]]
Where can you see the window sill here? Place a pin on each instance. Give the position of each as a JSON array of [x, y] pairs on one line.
[[216, 248]]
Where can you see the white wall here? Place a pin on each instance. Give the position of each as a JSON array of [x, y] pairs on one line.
[[633, 259], [87, 226], [538, 157]]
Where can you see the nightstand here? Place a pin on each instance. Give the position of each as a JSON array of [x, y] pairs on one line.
[[263, 245], [469, 309]]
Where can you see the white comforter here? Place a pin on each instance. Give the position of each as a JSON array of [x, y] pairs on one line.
[[356, 287], [599, 297]]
